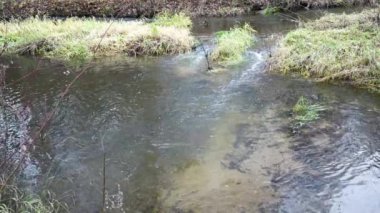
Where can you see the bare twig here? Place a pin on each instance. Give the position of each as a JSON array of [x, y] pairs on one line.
[[104, 175], [209, 67]]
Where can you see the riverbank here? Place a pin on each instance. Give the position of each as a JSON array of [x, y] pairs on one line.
[[343, 48], [137, 8], [82, 39]]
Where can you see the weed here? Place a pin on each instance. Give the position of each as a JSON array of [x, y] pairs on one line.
[[304, 111], [231, 45]]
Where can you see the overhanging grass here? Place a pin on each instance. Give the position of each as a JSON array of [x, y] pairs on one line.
[[231, 45], [334, 48], [81, 39]]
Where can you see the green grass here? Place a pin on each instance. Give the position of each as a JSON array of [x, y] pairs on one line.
[[343, 48], [12, 200], [83, 39], [304, 111], [179, 20], [33, 204], [269, 10], [231, 45]]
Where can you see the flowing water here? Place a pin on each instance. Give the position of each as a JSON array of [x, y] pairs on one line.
[[180, 139]]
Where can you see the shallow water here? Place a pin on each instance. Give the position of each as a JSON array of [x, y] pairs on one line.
[[179, 139]]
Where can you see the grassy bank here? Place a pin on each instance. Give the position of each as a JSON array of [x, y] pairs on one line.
[[138, 8], [343, 48], [80, 39], [231, 45]]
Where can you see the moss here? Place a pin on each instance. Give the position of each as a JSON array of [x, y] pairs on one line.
[[334, 48], [231, 45], [83, 39]]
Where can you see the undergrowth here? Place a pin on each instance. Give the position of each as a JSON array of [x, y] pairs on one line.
[[82, 39], [231, 45], [342, 48]]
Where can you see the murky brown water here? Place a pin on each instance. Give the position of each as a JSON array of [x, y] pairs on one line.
[[179, 139]]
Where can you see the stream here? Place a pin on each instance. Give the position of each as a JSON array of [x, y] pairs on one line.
[[180, 139]]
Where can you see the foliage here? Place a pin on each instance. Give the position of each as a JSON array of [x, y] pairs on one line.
[[83, 39], [305, 112], [231, 45], [335, 47]]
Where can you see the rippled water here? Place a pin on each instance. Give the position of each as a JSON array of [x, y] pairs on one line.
[[179, 139]]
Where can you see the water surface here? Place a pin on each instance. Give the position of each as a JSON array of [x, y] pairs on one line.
[[180, 139]]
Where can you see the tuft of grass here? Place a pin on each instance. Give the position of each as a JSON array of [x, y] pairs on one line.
[[304, 111], [343, 48], [231, 45], [167, 19], [12, 199], [82, 39], [365, 20], [270, 10]]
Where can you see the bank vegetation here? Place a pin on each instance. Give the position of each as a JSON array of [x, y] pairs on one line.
[[86, 38], [343, 48], [149, 8], [232, 44]]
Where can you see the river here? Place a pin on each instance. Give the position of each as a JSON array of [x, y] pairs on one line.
[[180, 139]]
